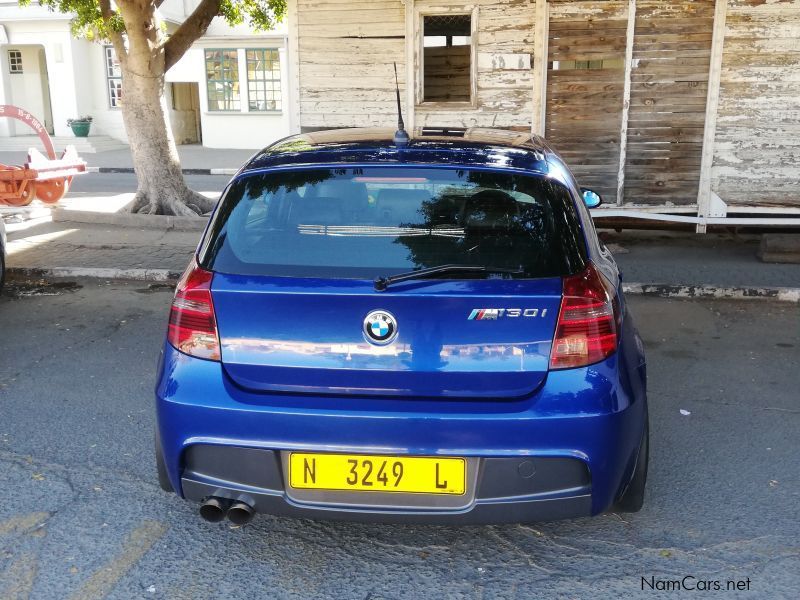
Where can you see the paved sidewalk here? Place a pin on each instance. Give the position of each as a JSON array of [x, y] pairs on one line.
[[659, 264], [194, 159], [46, 245]]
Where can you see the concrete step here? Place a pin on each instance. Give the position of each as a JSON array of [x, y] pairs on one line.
[[88, 145], [780, 248]]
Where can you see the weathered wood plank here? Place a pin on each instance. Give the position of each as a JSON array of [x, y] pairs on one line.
[[584, 106], [539, 72], [668, 100], [293, 109], [757, 143]]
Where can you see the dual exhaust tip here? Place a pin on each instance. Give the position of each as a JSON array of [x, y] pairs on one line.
[[216, 509]]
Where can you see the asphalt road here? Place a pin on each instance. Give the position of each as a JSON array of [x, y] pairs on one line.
[[81, 515]]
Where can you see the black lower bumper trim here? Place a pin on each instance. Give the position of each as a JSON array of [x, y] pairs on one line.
[[481, 513]]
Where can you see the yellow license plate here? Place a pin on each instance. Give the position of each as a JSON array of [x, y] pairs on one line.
[[378, 473]]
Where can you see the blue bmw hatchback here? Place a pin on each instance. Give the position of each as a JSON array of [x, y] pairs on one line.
[[421, 330]]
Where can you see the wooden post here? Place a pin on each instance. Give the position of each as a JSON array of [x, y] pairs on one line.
[[712, 104], [540, 39], [293, 48], [626, 100], [411, 74]]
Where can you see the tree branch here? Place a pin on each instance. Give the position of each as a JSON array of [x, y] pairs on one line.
[[114, 36], [191, 29]]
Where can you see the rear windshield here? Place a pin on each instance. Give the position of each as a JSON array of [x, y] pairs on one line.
[[362, 223]]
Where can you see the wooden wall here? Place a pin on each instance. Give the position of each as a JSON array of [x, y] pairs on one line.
[[346, 50], [757, 145], [584, 106], [669, 85], [756, 149]]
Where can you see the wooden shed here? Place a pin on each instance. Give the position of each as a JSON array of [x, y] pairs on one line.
[[681, 110]]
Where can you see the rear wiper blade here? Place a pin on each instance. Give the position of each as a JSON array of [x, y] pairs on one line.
[[381, 283]]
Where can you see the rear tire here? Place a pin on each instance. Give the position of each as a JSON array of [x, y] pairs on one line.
[[161, 467], [632, 498]]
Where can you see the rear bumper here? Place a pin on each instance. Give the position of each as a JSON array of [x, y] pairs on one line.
[[581, 432], [508, 489]]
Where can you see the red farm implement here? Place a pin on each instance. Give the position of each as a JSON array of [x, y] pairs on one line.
[[44, 177]]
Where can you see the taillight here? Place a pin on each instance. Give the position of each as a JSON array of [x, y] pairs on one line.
[[192, 324], [587, 322]]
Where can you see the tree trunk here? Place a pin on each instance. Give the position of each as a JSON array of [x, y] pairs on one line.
[[161, 187]]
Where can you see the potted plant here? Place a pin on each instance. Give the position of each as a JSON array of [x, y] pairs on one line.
[[80, 126]]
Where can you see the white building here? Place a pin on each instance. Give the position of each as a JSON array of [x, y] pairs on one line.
[[228, 91]]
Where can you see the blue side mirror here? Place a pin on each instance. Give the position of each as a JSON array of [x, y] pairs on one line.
[[591, 198]]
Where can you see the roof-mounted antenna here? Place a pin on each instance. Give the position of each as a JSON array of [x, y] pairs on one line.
[[401, 137]]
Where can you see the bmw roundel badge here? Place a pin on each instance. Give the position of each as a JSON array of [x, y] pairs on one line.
[[380, 327]]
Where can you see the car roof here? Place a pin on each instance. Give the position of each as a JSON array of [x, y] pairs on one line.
[[479, 147]]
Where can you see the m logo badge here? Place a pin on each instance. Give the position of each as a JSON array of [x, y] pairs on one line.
[[492, 314]]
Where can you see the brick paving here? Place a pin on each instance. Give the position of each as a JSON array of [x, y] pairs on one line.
[[69, 244]]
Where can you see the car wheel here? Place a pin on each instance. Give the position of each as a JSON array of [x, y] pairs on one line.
[[2, 268], [161, 467], [632, 498]]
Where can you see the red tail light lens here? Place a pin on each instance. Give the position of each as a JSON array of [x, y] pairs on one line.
[[587, 323], [192, 324]]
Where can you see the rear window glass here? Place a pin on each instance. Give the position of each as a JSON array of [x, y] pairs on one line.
[[363, 223]]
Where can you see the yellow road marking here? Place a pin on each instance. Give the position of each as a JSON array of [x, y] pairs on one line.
[[22, 523], [16, 583], [134, 548]]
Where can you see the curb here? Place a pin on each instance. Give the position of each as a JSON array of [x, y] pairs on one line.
[[660, 290], [98, 273], [637, 289], [222, 171]]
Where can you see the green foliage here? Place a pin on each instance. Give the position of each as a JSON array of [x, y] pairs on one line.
[[88, 21], [259, 14]]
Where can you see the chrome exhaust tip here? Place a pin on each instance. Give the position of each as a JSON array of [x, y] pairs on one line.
[[240, 513], [213, 509]]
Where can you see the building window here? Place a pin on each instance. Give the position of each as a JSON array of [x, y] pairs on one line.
[[447, 58], [113, 78], [263, 79], [14, 61], [222, 76]]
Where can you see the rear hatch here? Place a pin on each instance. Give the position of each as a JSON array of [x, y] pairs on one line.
[[295, 253], [307, 336]]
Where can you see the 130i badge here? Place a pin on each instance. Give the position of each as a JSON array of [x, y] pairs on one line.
[[492, 314]]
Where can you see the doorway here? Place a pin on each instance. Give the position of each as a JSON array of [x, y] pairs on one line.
[[184, 112], [29, 84]]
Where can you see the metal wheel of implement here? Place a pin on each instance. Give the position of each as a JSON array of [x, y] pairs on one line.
[[26, 194], [52, 190]]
